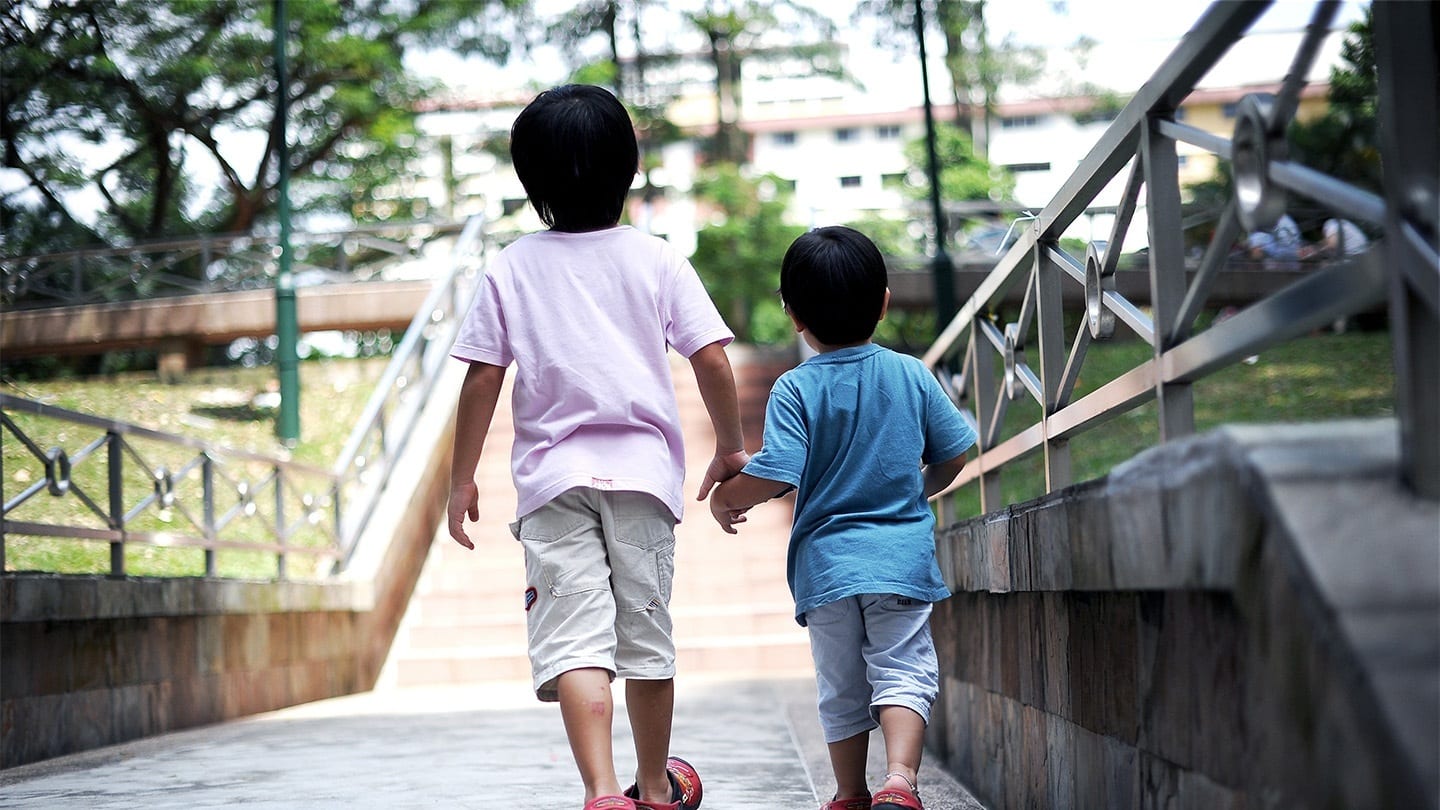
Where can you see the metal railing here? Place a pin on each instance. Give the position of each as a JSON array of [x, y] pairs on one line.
[[128, 485], [985, 366], [208, 264]]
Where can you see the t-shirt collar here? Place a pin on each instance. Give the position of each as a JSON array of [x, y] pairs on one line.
[[846, 355]]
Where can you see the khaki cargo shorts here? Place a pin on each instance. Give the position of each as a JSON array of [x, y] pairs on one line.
[[598, 570]]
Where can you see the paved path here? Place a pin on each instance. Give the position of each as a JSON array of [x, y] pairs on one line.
[[755, 742]]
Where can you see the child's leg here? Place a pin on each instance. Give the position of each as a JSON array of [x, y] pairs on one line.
[[587, 708], [651, 705], [904, 732], [837, 634], [847, 760]]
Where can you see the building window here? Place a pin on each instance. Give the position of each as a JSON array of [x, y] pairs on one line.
[[1181, 160], [1230, 109], [783, 138], [846, 134], [888, 132], [1028, 167], [850, 181], [892, 181], [781, 184], [1179, 113], [1019, 121]]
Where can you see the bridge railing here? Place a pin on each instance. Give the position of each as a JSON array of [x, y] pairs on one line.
[[208, 264], [986, 366], [108, 482]]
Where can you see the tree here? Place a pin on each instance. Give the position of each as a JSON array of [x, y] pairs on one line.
[[138, 105], [739, 257], [964, 175], [977, 68], [1344, 142]]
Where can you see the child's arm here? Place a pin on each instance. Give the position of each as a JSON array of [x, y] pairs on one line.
[[478, 395], [938, 476], [734, 497], [717, 389]]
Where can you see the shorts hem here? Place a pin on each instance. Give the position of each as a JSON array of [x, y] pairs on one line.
[[846, 732], [648, 674], [920, 707], [544, 680]]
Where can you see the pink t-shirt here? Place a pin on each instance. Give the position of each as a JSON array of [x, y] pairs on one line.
[[587, 319]]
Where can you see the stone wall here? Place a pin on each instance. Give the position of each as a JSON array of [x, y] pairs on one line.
[[92, 661], [1246, 619]]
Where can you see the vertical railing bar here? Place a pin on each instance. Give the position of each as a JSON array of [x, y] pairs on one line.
[[1167, 274], [1051, 322], [1406, 65], [207, 485], [282, 532], [115, 458], [982, 363], [1078, 349]]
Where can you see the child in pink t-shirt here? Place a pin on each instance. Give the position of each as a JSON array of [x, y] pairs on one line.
[[587, 312]]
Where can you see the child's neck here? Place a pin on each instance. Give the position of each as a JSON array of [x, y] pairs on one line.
[[826, 348]]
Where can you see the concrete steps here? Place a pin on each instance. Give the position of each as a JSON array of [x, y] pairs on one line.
[[732, 608]]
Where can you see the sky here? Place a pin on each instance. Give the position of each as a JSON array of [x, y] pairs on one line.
[[1132, 37]]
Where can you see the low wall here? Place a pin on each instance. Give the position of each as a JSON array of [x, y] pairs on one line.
[[92, 661], [1246, 619]]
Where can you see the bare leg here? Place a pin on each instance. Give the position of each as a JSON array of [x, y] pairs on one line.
[[587, 708], [651, 705], [847, 760], [904, 732]]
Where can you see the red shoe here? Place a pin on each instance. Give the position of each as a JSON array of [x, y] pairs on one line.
[[610, 803], [901, 798], [857, 803], [685, 788]]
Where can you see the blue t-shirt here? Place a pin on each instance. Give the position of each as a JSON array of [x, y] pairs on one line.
[[849, 429]]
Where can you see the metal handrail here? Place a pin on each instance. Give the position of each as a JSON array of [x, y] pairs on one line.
[[206, 264], [217, 498], [971, 351]]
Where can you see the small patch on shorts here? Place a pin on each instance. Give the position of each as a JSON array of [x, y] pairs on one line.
[[530, 597]]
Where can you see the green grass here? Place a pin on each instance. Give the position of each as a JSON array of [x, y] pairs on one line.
[[1322, 377], [212, 405]]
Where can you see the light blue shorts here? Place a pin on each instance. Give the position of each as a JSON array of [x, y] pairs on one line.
[[871, 651], [598, 567]]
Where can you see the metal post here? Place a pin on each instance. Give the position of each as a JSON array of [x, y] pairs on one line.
[[207, 479], [985, 395], [1050, 319], [1176, 400], [115, 460], [287, 426], [1406, 61], [941, 266]]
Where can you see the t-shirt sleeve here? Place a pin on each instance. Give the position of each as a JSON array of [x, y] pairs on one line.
[[947, 433], [482, 337], [691, 320], [785, 444]]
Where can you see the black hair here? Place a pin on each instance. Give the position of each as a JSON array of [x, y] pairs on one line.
[[574, 149], [833, 280]]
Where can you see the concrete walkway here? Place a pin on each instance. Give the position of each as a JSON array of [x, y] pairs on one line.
[[755, 742]]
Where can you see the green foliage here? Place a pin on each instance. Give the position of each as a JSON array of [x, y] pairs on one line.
[[963, 174], [1344, 142], [738, 256], [165, 112]]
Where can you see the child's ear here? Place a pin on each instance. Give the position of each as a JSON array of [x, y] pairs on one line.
[[799, 327], [885, 305]]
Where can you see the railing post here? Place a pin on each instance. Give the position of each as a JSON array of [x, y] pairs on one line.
[[207, 484], [1406, 65], [1175, 400], [115, 461], [282, 532], [986, 394], [1050, 319]]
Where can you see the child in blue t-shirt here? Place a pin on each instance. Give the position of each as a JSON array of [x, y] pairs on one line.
[[864, 435]]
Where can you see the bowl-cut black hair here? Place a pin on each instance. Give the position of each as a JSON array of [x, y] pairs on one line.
[[833, 280], [575, 152]]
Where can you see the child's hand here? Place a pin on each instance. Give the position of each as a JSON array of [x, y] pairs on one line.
[[727, 518], [723, 466], [464, 501]]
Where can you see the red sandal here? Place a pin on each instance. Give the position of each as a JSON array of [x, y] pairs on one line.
[[857, 803], [685, 788], [898, 798], [609, 803]]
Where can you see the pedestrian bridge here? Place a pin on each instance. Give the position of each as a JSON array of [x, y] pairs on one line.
[[1245, 617]]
